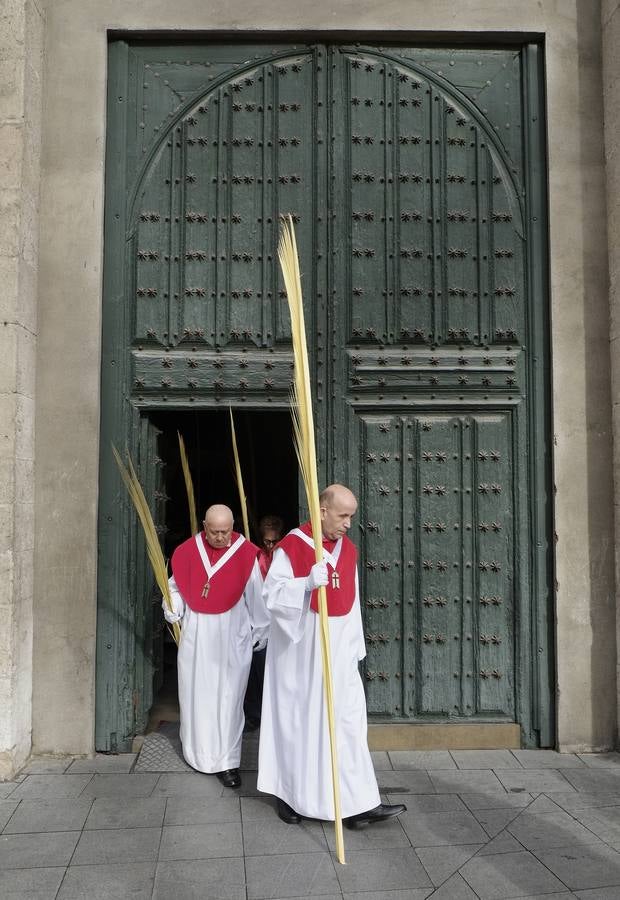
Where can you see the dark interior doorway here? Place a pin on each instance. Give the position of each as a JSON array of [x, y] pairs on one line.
[[269, 469]]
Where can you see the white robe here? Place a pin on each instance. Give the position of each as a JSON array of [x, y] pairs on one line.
[[294, 760], [213, 664]]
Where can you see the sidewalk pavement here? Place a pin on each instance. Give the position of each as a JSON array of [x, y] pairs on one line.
[[488, 824]]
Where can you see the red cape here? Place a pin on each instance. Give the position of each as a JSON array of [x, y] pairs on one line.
[[339, 600], [226, 584]]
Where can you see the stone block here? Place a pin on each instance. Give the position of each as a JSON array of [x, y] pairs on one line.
[[113, 812], [509, 875], [25, 851], [31, 884], [201, 841], [262, 837], [198, 879], [49, 815], [198, 811], [581, 867], [11, 155], [131, 881], [269, 877], [114, 846], [382, 870]]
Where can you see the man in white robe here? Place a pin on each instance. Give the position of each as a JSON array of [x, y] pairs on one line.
[[216, 589], [294, 756]]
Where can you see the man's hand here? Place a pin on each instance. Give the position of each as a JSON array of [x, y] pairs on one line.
[[318, 576]]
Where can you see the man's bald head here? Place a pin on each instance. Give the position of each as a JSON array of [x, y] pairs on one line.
[[338, 506], [218, 525]]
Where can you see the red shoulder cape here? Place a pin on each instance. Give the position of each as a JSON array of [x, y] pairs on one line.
[[226, 584], [301, 555]]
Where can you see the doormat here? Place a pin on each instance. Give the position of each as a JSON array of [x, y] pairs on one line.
[[161, 751]]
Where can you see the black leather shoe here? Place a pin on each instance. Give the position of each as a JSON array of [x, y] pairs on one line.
[[287, 813], [230, 778], [378, 814]]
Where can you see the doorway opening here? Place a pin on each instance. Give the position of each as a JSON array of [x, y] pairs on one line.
[[270, 476]]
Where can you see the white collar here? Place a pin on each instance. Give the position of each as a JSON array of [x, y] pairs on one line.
[[332, 558], [211, 570]]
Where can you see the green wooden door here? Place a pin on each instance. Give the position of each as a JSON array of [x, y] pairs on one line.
[[416, 179]]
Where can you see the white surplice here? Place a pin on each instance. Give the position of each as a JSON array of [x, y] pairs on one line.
[[213, 665], [294, 756]]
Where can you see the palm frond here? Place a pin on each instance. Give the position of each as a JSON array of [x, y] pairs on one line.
[[303, 435], [189, 486], [153, 547], [239, 477]]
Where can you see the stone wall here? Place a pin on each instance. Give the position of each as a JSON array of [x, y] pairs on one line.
[[67, 399], [21, 37]]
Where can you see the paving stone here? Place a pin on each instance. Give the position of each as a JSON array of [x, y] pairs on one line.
[[140, 812], [49, 815], [601, 760], [31, 884], [421, 759], [248, 786], [405, 782], [7, 808], [274, 836], [290, 875], [428, 802], [29, 851], [7, 788], [47, 765], [201, 841], [539, 827], [485, 759], [509, 875], [119, 785], [547, 759], [199, 879], [501, 799], [104, 763], [194, 784], [594, 780], [414, 894], [584, 866], [455, 888], [605, 893], [563, 895], [504, 842], [201, 811], [461, 782], [442, 862], [445, 828], [495, 820], [534, 780], [119, 845], [43, 787], [380, 760], [385, 834], [263, 807], [604, 821], [577, 800], [384, 870], [130, 881]]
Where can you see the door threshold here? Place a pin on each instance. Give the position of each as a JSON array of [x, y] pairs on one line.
[[445, 736]]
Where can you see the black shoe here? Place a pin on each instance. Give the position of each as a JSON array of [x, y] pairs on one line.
[[230, 778], [378, 814], [287, 813]]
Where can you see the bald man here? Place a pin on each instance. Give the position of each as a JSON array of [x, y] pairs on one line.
[[216, 589], [294, 757]]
